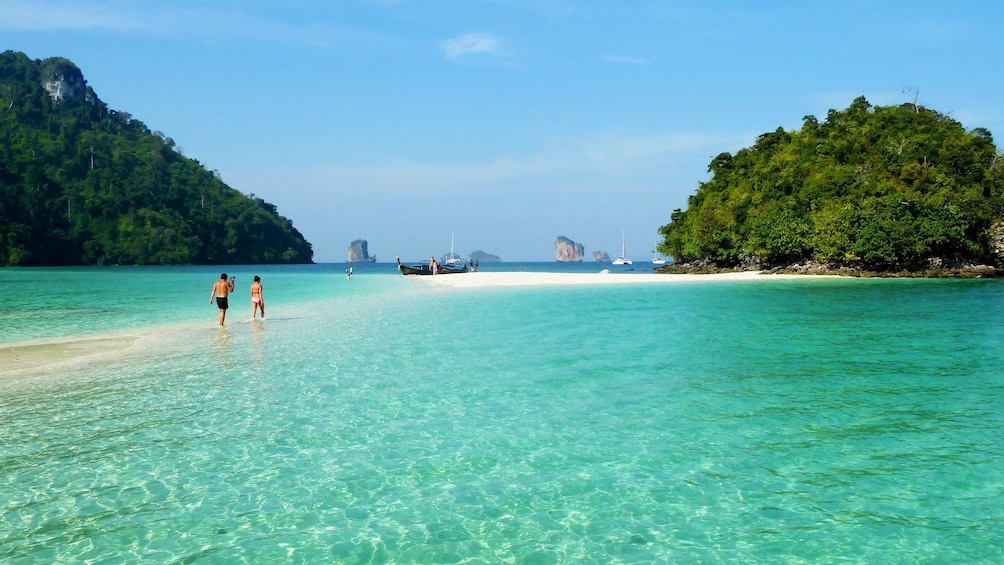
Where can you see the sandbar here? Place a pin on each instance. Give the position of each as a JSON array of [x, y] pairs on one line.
[[484, 279], [28, 358]]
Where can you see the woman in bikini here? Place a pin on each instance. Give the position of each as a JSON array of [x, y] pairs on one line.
[[257, 302]]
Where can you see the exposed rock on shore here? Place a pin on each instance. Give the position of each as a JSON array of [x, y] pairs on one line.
[[936, 268]]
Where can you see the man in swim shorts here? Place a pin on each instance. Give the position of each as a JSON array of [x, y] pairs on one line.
[[221, 290], [257, 302]]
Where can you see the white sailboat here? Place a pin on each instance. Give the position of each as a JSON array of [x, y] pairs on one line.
[[453, 258], [623, 260], [656, 259]]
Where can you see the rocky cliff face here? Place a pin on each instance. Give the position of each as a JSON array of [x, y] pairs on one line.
[[64, 81], [601, 257], [566, 250], [359, 252]]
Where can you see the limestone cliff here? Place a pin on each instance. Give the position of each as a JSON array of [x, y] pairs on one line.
[[601, 257], [64, 81], [359, 252], [566, 250]]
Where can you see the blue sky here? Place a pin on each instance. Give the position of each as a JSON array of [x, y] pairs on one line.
[[504, 122]]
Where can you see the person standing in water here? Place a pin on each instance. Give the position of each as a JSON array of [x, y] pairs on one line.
[[221, 290], [257, 301]]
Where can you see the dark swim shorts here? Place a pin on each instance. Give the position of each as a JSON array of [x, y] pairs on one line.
[[222, 303]]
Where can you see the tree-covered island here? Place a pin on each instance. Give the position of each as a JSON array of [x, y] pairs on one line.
[[82, 184], [874, 190]]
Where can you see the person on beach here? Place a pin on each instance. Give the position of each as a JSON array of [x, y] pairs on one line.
[[221, 290], [257, 302], [433, 265]]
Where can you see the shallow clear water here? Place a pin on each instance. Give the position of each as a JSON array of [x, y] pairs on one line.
[[379, 420]]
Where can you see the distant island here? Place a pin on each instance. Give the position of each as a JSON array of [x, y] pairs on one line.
[[567, 251], [359, 252], [897, 190], [83, 184], [601, 257], [483, 257]]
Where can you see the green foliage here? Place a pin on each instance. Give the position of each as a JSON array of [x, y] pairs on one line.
[[81, 184], [876, 187], [778, 234]]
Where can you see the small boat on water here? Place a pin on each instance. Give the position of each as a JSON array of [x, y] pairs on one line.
[[425, 269], [656, 258], [623, 259]]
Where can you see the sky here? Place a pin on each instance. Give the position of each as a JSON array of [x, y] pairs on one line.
[[502, 124]]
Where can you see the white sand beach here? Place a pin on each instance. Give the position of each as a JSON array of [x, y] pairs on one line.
[[517, 279]]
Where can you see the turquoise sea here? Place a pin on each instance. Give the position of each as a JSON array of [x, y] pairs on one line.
[[382, 420]]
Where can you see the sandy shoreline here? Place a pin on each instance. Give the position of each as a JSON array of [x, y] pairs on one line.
[[27, 358], [518, 279]]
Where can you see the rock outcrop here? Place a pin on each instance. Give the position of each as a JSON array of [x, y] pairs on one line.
[[996, 236], [601, 257], [359, 252], [567, 251], [64, 81]]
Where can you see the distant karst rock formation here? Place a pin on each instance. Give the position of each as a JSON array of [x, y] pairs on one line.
[[567, 251], [483, 257], [601, 257], [359, 252]]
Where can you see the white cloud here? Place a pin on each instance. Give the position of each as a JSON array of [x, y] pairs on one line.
[[576, 165], [49, 15], [557, 187], [386, 3], [623, 59], [175, 18], [470, 44]]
